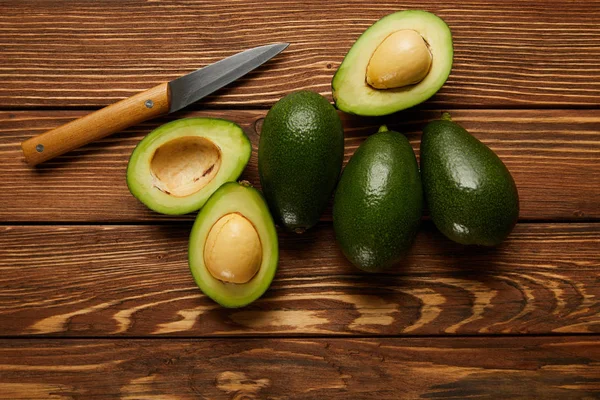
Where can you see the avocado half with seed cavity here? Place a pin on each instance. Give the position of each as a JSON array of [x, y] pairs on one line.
[[180, 164], [400, 61], [233, 249]]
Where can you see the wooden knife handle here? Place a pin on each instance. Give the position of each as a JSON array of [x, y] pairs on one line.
[[111, 119]]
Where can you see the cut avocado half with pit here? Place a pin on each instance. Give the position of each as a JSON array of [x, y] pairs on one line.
[[233, 249], [400, 61], [180, 164]]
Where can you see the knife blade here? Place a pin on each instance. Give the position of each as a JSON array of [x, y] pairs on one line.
[[163, 99], [198, 84]]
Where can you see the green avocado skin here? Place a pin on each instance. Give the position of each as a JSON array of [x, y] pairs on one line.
[[471, 195], [300, 156], [378, 202]]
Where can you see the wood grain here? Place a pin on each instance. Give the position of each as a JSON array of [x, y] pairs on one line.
[[451, 368], [135, 281], [545, 53], [92, 311], [552, 154]]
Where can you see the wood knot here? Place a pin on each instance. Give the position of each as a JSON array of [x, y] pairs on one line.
[[244, 396], [238, 384], [258, 124]]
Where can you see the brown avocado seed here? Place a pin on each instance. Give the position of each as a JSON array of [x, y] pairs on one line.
[[402, 59], [233, 252]]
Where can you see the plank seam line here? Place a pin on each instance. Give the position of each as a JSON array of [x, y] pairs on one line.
[[234, 107], [178, 223], [300, 336]]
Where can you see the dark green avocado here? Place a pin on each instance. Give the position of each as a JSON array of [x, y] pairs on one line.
[[378, 202], [471, 195], [300, 157]]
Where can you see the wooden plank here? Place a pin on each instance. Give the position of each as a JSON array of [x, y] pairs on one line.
[[450, 368], [553, 155], [56, 54], [135, 281]]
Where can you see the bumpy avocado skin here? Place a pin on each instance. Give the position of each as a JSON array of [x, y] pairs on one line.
[[300, 157], [239, 198], [471, 195], [378, 202]]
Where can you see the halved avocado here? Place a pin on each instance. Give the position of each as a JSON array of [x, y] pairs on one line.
[[233, 250], [400, 61], [180, 164]]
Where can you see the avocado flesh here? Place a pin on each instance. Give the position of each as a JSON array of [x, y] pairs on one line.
[[378, 202], [234, 198], [471, 195], [177, 166], [354, 95], [300, 156]]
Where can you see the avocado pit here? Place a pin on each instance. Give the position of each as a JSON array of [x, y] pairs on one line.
[[233, 251], [403, 58], [183, 166]]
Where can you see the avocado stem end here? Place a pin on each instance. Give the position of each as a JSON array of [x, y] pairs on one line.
[[446, 117]]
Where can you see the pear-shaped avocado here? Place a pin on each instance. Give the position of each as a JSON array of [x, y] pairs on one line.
[[378, 202], [300, 156], [400, 61], [471, 195], [177, 166], [233, 251]]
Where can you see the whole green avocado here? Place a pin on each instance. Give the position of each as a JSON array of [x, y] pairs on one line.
[[471, 195], [378, 202], [300, 156]]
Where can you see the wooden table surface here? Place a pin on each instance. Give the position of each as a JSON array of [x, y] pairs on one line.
[[96, 299]]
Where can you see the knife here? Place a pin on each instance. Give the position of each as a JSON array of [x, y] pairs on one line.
[[160, 100]]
